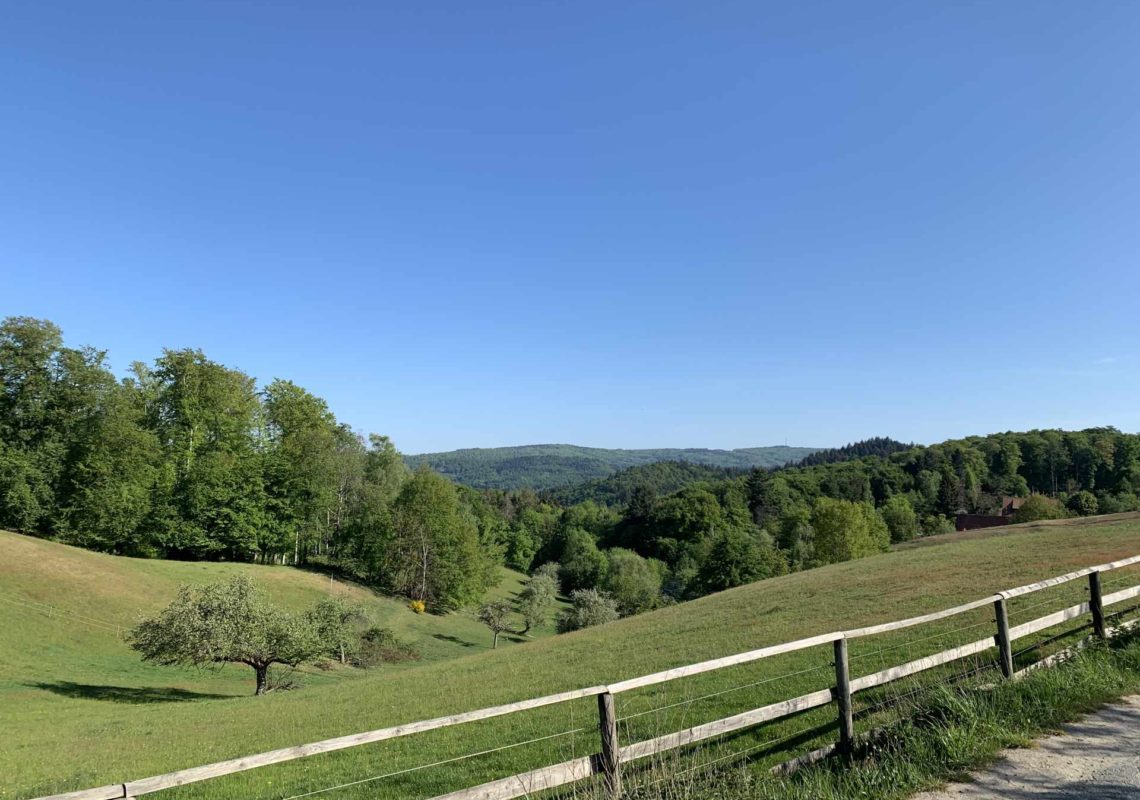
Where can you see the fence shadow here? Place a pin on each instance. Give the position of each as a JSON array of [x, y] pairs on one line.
[[125, 694]]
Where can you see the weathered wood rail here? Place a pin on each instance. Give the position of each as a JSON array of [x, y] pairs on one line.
[[612, 755]]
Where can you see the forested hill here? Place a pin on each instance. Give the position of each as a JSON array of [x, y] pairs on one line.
[[661, 478], [547, 466]]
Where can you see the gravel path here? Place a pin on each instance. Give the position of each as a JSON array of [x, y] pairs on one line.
[[1097, 757]]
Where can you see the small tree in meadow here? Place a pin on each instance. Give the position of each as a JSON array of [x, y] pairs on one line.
[[496, 615], [226, 622], [535, 600], [334, 624]]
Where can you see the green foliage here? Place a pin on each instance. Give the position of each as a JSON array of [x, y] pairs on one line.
[[582, 565], [736, 558], [589, 608], [1083, 504], [334, 624], [549, 466], [537, 598], [846, 530], [496, 615], [1038, 507], [226, 622], [899, 516], [660, 478], [633, 582], [379, 646], [433, 551]]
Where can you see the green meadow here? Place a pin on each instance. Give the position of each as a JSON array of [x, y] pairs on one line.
[[79, 709]]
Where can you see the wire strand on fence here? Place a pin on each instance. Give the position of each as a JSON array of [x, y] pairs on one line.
[[434, 764], [912, 642], [722, 692]]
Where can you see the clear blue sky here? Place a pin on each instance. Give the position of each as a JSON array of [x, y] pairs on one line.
[[615, 224]]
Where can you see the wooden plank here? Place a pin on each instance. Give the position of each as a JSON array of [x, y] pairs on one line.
[[907, 623], [611, 750], [528, 783], [171, 779], [116, 791], [1072, 576], [1121, 596], [843, 698], [719, 663], [1048, 621], [718, 727], [920, 664]]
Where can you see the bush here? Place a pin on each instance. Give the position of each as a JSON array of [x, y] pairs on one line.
[[1083, 504], [1038, 506], [590, 608], [419, 606], [634, 582], [380, 646], [935, 524]]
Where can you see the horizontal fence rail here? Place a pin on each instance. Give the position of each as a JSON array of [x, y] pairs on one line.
[[608, 762]]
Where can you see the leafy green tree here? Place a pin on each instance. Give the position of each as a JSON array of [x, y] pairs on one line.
[[902, 522], [496, 615], [536, 599], [1083, 504], [110, 478], [583, 565], [209, 501], [736, 558], [334, 623], [633, 582], [1037, 507], [589, 607], [226, 622], [433, 553], [846, 530]]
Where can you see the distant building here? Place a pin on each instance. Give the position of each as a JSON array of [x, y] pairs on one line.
[[970, 522]]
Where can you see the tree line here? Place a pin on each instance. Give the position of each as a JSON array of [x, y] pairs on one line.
[[187, 458]]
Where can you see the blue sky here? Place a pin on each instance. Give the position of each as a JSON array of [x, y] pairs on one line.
[[613, 224]]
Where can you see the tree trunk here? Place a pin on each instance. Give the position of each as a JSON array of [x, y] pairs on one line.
[[495, 641], [262, 678]]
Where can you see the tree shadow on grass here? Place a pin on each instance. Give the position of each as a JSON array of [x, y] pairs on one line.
[[443, 637], [125, 694]]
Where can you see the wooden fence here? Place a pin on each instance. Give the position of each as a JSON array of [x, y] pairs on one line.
[[613, 754]]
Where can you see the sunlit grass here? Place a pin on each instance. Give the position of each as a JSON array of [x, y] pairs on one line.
[[59, 741]]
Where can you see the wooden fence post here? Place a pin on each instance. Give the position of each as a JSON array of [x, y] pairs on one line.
[[1096, 604], [1004, 646], [843, 698], [611, 750]]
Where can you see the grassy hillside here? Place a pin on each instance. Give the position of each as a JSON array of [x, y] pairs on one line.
[[58, 738], [546, 466]]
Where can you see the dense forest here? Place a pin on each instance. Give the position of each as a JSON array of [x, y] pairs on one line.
[[187, 458], [556, 466], [662, 477]]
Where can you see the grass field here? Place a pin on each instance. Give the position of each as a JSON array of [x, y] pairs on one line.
[[59, 738]]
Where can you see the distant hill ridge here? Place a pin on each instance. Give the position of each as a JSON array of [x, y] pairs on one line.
[[546, 466]]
